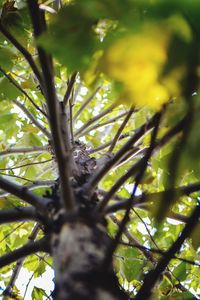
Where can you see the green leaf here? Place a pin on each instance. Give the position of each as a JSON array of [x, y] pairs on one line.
[[131, 269], [180, 271], [130, 264], [195, 236], [6, 58], [38, 293], [8, 90]]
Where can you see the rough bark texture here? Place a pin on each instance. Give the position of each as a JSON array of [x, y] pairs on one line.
[[78, 252]]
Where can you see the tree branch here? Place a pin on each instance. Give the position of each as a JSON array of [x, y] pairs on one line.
[[70, 86], [19, 264], [12, 81], [33, 119], [104, 170], [143, 199], [22, 151], [94, 119], [152, 277], [62, 151], [121, 128], [138, 178], [87, 101], [137, 165], [23, 51], [161, 252], [18, 214], [33, 186], [26, 165], [24, 194], [28, 249], [108, 122], [134, 241], [106, 145]]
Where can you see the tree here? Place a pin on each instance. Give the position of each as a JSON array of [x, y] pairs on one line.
[[99, 146]]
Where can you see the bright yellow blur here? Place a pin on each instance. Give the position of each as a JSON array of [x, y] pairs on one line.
[[137, 62]]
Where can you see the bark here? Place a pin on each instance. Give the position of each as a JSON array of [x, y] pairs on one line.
[[78, 252]]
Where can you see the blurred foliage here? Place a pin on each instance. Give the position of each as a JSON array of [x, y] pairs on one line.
[[141, 53]]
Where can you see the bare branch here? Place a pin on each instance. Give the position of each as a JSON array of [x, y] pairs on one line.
[[18, 214], [33, 119], [59, 134], [99, 125], [138, 178], [137, 165], [28, 249], [22, 91], [106, 145], [102, 114], [142, 200], [26, 165], [103, 171], [87, 101], [23, 51], [22, 151], [161, 252], [19, 264], [70, 86], [33, 186], [24, 194], [121, 128]]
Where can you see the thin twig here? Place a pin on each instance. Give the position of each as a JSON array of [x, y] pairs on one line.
[[26, 165], [94, 180], [87, 101], [152, 277], [161, 252], [71, 104], [16, 176], [22, 151], [22, 91], [102, 114], [23, 51], [33, 119], [106, 145], [19, 264], [11, 232], [99, 125], [121, 128], [134, 241]]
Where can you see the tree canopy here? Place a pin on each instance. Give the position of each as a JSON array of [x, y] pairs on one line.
[[99, 126]]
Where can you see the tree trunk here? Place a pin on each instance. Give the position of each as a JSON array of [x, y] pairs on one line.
[[78, 252]]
